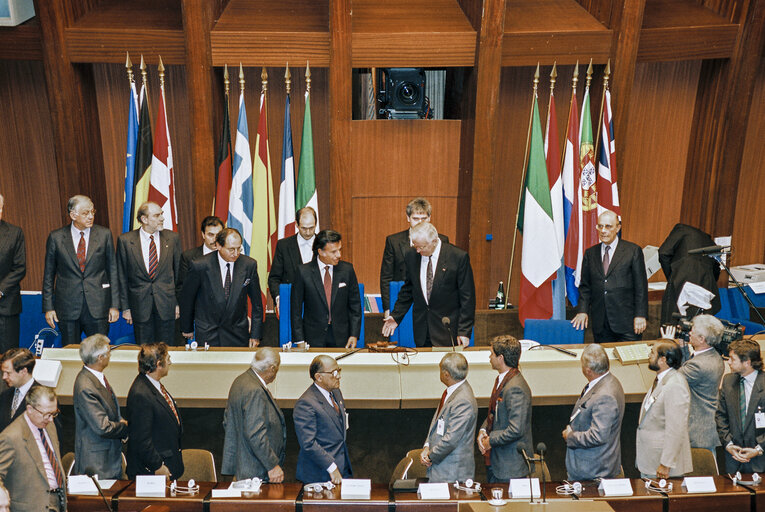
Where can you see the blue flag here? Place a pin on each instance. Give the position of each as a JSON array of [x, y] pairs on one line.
[[132, 142]]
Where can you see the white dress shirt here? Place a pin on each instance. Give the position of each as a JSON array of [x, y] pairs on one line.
[[145, 242], [424, 269], [49, 473], [223, 264], [611, 251], [323, 270], [305, 247], [99, 375]]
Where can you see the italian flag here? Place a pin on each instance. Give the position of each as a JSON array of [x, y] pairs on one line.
[[306, 194], [540, 255]]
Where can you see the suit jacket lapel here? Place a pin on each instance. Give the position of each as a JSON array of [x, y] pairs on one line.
[[237, 279], [294, 251], [214, 272], [164, 251], [616, 257], [137, 252], [4, 238], [440, 266], [34, 450], [110, 399], [268, 394], [68, 242], [317, 281], [757, 389], [93, 242], [161, 399], [329, 410]]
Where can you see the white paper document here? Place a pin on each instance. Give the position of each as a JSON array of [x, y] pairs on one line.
[[438, 491], [522, 488]]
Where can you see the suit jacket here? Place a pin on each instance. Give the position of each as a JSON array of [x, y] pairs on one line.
[[21, 467], [97, 441], [256, 435], [13, 268], [321, 436], [155, 434], [138, 292], [393, 267], [728, 419], [187, 257], [621, 294], [680, 267], [593, 448], [6, 401], [453, 296], [703, 373], [64, 285], [284, 269], [221, 322], [308, 298], [511, 429], [452, 452], [662, 433]]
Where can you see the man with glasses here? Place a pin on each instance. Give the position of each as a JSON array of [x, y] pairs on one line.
[[155, 427], [17, 365], [320, 424], [613, 293], [291, 252], [30, 461], [80, 289]]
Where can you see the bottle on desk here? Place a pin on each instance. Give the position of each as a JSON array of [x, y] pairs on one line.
[[500, 300]]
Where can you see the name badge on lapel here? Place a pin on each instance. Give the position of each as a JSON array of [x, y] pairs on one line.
[[347, 421], [649, 403], [759, 418], [574, 415], [440, 426]]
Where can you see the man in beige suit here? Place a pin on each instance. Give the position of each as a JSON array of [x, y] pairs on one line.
[[30, 462], [663, 444]]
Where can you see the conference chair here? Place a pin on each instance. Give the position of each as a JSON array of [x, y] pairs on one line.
[[540, 470], [552, 332], [67, 461], [199, 465], [416, 470], [285, 308], [704, 463], [735, 309]]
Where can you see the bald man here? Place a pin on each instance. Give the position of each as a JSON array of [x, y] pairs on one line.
[[613, 292]]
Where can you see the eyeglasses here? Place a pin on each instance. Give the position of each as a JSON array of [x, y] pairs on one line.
[[335, 373], [85, 213], [47, 415]]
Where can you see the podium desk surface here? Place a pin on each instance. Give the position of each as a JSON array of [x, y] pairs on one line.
[[272, 497], [127, 501], [94, 502]]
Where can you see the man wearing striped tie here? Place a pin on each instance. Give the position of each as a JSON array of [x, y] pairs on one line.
[[148, 260], [30, 460]]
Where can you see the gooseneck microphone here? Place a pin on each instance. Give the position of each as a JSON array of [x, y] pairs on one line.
[[90, 472], [541, 449], [712, 249], [446, 321], [528, 465]]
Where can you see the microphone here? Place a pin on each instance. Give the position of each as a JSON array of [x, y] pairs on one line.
[[712, 249], [446, 321], [520, 450], [541, 449], [89, 471]]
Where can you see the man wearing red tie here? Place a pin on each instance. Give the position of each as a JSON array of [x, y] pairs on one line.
[[30, 461], [155, 428], [508, 425]]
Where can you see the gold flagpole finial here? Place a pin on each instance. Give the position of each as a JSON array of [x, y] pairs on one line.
[[226, 81], [161, 69], [129, 66], [553, 76], [241, 77], [589, 74], [536, 78], [575, 78], [307, 78], [288, 78], [264, 79], [144, 77], [607, 74]]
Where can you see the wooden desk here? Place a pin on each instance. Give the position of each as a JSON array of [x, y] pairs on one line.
[[409, 502], [127, 501], [728, 497], [272, 497], [88, 503], [329, 500], [642, 500]]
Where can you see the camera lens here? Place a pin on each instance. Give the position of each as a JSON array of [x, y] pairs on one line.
[[408, 93]]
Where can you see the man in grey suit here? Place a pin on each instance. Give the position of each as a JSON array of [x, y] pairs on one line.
[[740, 415], [148, 260], [593, 447], [13, 268], [80, 287], [256, 436], [703, 371], [30, 461], [99, 425], [663, 445], [448, 451], [508, 424]]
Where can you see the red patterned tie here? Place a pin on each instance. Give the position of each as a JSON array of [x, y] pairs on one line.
[[328, 292], [170, 402], [81, 252], [52, 458], [152, 258]]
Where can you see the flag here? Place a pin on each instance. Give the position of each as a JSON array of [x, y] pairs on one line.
[[264, 214], [539, 256], [306, 181], [552, 155], [287, 185], [608, 191], [132, 142], [240, 198], [571, 203], [162, 182], [588, 181], [223, 170], [143, 156]]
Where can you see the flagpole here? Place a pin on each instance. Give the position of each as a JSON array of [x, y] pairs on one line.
[[574, 81], [288, 79], [129, 66], [523, 178], [145, 84], [606, 75], [307, 78], [553, 76]]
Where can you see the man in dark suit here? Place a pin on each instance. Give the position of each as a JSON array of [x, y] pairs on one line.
[[448, 450], [508, 424], [320, 424], [17, 365], [326, 305], [30, 460], [397, 245], [593, 445], [256, 435], [291, 252], [100, 427], [80, 287], [680, 267], [148, 260], [214, 296], [740, 410], [613, 293], [211, 226], [13, 268], [439, 281], [155, 428]]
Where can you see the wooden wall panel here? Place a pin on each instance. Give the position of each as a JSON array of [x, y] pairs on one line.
[[749, 226], [28, 178]]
